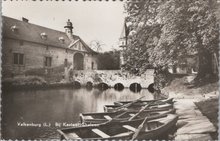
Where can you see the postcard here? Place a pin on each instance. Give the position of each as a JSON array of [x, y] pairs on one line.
[[104, 70]]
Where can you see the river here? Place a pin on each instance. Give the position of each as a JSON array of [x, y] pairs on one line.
[[36, 114]]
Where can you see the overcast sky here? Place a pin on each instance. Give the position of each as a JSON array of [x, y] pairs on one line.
[[94, 20]]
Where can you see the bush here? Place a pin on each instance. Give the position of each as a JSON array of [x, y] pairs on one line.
[[35, 72], [25, 80]]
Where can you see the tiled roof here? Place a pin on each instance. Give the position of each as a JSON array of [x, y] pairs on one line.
[[30, 32]]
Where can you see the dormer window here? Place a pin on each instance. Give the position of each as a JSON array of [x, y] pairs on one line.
[[61, 39], [14, 28], [43, 35]]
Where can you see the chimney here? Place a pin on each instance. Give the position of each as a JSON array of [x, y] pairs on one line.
[[25, 20]]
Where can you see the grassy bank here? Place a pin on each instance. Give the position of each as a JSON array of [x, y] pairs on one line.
[[209, 108]]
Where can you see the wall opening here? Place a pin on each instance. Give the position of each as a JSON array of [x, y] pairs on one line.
[[151, 88], [78, 61], [92, 65], [119, 86], [76, 84], [102, 86], [135, 87], [89, 85], [65, 62]]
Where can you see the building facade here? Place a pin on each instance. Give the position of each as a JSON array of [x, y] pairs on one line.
[[29, 49]]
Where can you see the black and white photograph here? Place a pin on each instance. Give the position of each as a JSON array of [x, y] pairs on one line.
[[110, 69]]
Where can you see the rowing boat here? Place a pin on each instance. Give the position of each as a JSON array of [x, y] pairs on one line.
[[144, 102], [150, 129], [112, 108], [97, 118]]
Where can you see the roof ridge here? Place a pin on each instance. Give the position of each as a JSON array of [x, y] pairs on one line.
[[35, 25]]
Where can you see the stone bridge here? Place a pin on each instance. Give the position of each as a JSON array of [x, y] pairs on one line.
[[112, 77]]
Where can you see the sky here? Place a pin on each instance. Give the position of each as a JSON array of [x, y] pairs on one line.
[[92, 20]]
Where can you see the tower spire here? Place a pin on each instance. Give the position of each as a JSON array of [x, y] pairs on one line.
[[69, 29]]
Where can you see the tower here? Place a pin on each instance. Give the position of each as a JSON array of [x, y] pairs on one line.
[[123, 42], [69, 29]]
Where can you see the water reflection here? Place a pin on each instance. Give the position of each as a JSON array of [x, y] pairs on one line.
[[54, 106]]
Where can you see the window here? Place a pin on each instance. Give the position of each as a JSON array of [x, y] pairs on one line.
[[48, 61], [14, 28], [18, 59], [43, 36], [65, 62], [61, 39], [92, 65]]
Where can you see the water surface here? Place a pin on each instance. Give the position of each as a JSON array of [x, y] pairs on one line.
[[52, 106]]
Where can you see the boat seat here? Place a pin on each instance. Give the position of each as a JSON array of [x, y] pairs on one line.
[[152, 125], [73, 136], [100, 133], [129, 127], [107, 117], [123, 134], [132, 115], [89, 117]]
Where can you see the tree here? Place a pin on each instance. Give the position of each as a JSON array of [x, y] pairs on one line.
[[168, 31], [144, 31], [189, 27], [109, 60], [96, 45]]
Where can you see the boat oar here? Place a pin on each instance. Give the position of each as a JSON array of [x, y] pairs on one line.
[[129, 104], [124, 106], [64, 135], [142, 109], [138, 130]]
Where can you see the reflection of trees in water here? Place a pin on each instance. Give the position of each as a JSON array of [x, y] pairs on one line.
[[111, 95], [87, 100], [57, 105]]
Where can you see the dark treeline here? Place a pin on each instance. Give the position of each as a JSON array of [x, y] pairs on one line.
[[109, 60]]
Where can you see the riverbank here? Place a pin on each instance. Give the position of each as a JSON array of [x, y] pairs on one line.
[[31, 83], [197, 108]]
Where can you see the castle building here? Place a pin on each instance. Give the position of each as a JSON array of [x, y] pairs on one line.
[[29, 49]]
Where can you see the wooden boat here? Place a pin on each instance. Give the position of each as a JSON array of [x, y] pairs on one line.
[[144, 102], [97, 118], [112, 108], [135, 129]]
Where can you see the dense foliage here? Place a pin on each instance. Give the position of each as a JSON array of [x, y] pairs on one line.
[[162, 33], [109, 60]]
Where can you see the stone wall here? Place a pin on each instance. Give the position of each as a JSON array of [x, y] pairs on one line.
[[111, 77], [34, 58]]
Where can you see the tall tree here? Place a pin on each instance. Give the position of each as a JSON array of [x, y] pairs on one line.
[[96, 45], [168, 31], [144, 30], [109, 60]]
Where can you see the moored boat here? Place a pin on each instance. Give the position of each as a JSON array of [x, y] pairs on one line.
[[97, 118], [112, 108], [134, 129], [144, 102]]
